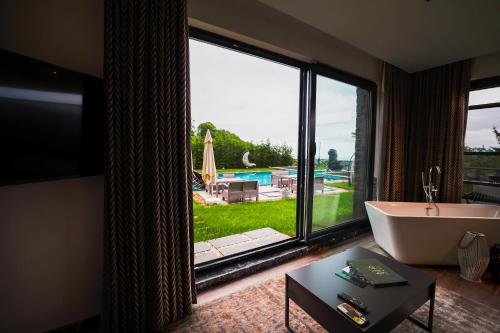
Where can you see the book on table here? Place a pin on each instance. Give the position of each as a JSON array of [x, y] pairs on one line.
[[373, 272], [346, 274]]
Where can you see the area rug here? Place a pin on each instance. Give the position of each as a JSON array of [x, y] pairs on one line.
[[261, 309]]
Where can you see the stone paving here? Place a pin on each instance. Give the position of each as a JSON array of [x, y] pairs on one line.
[[224, 246]]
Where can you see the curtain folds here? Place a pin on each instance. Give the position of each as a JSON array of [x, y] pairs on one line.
[[424, 122], [148, 279]]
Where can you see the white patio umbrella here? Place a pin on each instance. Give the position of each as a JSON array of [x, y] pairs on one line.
[[208, 171]]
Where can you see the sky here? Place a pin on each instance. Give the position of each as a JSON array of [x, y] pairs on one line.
[[480, 122], [258, 99], [335, 118]]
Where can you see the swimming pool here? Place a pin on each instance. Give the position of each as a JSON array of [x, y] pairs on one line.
[[263, 177], [319, 173]]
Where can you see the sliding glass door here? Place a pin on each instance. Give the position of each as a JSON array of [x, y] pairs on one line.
[[339, 164], [281, 149]]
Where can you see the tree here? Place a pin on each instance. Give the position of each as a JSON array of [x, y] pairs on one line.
[[333, 163], [497, 134], [203, 127]]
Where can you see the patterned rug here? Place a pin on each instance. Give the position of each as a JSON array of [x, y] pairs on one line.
[[261, 309]]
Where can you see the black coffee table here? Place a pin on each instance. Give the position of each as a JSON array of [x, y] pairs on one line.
[[314, 288]]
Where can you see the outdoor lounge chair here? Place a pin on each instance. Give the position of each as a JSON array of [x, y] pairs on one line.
[[233, 192], [276, 180], [319, 184], [251, 190]]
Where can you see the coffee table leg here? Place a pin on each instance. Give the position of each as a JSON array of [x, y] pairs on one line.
[[287, 305], [287, 308], [431, 307], [430, 318]]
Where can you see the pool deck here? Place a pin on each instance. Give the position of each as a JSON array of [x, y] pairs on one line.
[[266, 193], [225, 246]]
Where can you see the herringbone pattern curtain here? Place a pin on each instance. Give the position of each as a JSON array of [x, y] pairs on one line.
[[424, 120], [395, 104], [149, 277]]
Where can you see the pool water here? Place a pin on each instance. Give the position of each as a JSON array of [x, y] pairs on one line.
[[263, 177], [319, 173]]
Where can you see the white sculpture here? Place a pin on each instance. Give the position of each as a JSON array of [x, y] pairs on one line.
[[246, 162]]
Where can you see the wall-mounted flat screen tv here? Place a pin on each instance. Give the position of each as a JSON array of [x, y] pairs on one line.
[[51, 121]]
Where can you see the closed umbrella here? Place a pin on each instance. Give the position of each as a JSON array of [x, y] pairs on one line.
[[208, 172]]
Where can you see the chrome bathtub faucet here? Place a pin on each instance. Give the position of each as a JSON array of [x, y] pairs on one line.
[[431, 191]]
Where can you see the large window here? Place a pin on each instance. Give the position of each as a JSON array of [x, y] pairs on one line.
[[482, 141], [291, 161]]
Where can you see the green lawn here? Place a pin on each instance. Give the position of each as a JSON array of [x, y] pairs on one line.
[[331, 209], [223, 220], [342, 185]]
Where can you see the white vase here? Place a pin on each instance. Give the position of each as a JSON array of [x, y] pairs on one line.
[[473, 256]]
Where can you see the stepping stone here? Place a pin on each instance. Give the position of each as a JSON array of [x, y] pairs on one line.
[[205, 256], [228, 240], [272, 239], [232, 249], [201, 247], [259, 233]]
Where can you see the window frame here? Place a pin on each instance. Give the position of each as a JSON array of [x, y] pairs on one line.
[[341, 231], [340, 76], [480, 84]]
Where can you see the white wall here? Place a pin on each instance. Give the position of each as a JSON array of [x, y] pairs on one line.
[[51, 232], [50, 253], [486, 66]]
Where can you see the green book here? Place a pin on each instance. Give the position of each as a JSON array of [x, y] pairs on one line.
[[376, 273], [346, 275]]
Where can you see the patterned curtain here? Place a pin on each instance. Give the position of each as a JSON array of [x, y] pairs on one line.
[[395, 107], [149, 279], [425, 115]]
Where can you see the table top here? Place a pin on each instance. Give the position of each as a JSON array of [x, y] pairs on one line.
[[320, 280]]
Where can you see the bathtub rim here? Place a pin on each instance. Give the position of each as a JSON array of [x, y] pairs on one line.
[[436, 217]]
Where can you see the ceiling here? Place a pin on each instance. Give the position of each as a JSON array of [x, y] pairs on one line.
[[411, 34]]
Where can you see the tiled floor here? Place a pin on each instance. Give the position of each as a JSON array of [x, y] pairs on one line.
[[224, 246]]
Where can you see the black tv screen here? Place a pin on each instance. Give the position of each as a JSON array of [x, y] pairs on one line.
[[51, 121]]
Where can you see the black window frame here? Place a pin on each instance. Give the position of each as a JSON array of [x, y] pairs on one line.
[[342, 230], [481, 84], [340, 76]]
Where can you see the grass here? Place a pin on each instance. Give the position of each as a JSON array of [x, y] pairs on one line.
[[223, 220], [342, 185], [331, 209]]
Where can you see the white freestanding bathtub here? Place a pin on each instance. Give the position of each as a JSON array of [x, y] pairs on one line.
[[404, 230]]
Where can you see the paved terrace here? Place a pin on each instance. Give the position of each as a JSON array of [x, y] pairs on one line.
[[224, 246]]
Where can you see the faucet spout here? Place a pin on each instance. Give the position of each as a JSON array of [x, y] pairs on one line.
[[431, 191]]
